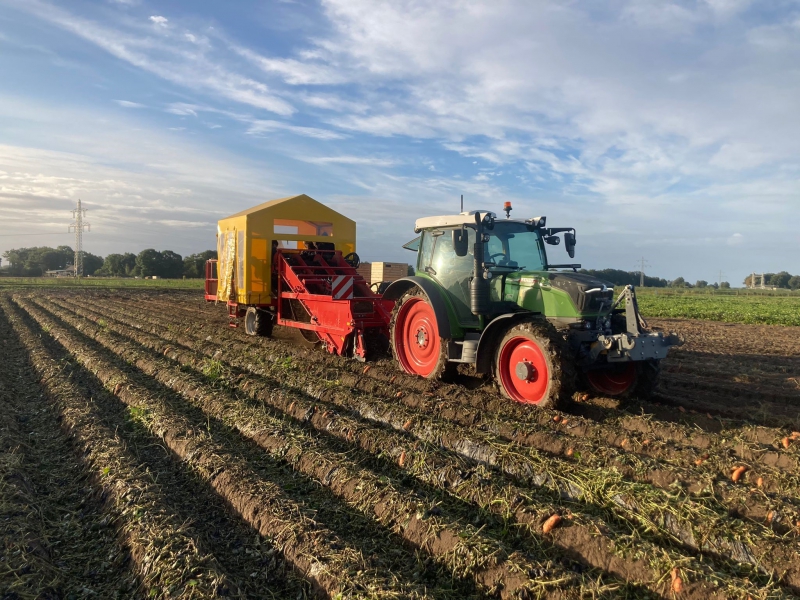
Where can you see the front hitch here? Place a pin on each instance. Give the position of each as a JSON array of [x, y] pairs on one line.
[[635, 344]]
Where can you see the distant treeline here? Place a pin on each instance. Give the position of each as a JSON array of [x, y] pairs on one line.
[[33, 262], [618, 277]]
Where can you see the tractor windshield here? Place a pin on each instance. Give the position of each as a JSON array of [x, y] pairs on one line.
[[515, 246]]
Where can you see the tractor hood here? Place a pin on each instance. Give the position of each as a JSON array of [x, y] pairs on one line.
[[575, 285]]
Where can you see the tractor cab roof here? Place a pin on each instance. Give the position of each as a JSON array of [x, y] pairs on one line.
[[468, 218]]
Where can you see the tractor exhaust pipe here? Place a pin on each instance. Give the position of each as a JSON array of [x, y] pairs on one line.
[[479, 300]]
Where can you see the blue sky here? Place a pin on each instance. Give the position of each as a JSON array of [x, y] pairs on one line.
[[668, 130]]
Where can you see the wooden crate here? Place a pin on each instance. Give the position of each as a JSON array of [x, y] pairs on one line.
[[383, 271], [365, 270]]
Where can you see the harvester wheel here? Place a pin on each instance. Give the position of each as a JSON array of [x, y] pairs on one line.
[[257, 322], [532, 365], [416, 344]]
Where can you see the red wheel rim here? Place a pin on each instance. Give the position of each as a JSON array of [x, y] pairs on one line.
[[613, 381], [523, 370], [417, 337]]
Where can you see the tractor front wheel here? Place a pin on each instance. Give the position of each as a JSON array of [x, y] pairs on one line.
[[416, 344], [613, 380], [532, 365], [625, 380]]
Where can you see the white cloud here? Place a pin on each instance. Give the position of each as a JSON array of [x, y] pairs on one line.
[[605, 112], [736, 239], [259, 127], [182, 109], [129, 104], [737, 156], [293, 71], [351, 160], [170, 57], [159, 21], [133, 180]]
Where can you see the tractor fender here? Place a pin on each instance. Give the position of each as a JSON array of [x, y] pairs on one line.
[[401, 286], [490, 337]]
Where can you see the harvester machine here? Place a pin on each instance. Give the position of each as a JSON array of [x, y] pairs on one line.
[[291, 262]]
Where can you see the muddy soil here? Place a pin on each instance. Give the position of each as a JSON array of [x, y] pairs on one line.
[[409, 488]]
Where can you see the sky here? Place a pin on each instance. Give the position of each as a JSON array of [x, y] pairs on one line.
[[668, 131]]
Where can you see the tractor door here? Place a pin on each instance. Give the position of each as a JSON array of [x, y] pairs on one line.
[[439, 261]]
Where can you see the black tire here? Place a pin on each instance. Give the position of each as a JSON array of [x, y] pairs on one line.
[[411, 359], [648, 373], [553, 352], [258, 322]]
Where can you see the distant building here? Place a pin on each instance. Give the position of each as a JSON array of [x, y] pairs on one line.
[[68, 271]]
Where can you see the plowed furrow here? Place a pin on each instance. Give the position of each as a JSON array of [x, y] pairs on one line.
[[411, 515], [518, 424], [638, 457], [772, 375], [167, 557], [720, 542], [427, 464], [52, 522], [333, 565]]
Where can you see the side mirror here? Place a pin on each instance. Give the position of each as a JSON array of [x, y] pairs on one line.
[[460, 242], [553, 240], [569, 242]]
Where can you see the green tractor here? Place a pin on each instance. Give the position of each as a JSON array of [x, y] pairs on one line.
[[485, 295]]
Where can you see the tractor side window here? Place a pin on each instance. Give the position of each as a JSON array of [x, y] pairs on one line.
[[426, 251]]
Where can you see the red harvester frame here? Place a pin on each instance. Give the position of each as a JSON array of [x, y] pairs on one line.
[[318, 291]]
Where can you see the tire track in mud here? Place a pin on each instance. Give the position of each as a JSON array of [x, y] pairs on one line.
[[251, 563], [477, 405], [168, 561], [332, 564], [466, 548], [687, 394], [477, 487], [638, 458]]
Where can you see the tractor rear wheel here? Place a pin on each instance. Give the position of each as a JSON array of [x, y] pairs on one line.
[[257, 322], [532, 365], [416, 344]]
